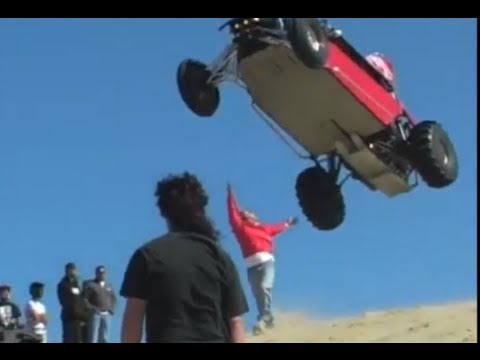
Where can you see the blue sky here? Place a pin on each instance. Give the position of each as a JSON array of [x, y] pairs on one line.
[[90, 119]]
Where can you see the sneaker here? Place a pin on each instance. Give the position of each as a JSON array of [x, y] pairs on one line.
[[269, 323], [258, 329]]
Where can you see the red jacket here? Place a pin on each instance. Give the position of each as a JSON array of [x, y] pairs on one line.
[[252, 238]]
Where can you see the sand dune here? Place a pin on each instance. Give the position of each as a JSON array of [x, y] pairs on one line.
[[451, 323]]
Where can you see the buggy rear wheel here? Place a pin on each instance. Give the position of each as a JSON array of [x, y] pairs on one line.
[[320, 198], [201, 97], [309, 41], [433, 154]]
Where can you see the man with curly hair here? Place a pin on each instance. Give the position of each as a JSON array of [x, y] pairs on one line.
[[183, 284]]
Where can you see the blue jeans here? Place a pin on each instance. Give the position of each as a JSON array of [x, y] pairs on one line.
[[261, 278], [99, 328]]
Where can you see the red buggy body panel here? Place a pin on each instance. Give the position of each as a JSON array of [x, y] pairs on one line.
[[362, 85]]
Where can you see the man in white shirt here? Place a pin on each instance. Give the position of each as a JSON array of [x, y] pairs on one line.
[[35, 312]]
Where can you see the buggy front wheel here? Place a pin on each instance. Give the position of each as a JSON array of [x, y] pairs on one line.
[[433, 154], [320, 198], [309, 40], [200, 96]]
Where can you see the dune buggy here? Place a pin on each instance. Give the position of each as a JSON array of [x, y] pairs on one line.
[[311, 85]]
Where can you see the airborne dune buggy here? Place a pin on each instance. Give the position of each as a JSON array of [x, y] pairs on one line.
[[309, 83]]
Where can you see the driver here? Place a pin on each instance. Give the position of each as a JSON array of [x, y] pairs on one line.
[[384, 66]]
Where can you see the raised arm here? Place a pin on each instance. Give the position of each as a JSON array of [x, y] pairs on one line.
[[233, 212], [276, 229]]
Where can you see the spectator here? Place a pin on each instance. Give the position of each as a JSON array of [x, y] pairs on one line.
[[10, 313], [101, 301], [183, 283], [74, 310], [35, 311], [256, 242]]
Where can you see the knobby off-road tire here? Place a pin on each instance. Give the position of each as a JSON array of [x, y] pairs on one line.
[[309, 41], [320, 198], [433, 154], [202, 98]]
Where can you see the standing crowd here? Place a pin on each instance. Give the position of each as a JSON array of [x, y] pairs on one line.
[[86, 308], [181, 287]]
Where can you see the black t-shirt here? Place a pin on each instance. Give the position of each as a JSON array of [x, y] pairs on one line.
[[191, 287], [10, 314]]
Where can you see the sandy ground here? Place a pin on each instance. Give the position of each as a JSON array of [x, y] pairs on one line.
[[451, 323]]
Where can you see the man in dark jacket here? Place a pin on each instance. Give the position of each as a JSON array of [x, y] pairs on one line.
[[101, 301], [74, 310]]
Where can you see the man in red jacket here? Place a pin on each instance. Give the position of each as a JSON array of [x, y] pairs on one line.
[[257, 246]]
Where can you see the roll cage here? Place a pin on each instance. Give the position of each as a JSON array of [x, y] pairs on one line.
[[274, 31]]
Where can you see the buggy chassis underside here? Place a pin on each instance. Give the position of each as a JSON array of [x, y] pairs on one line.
[[313, 108]]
